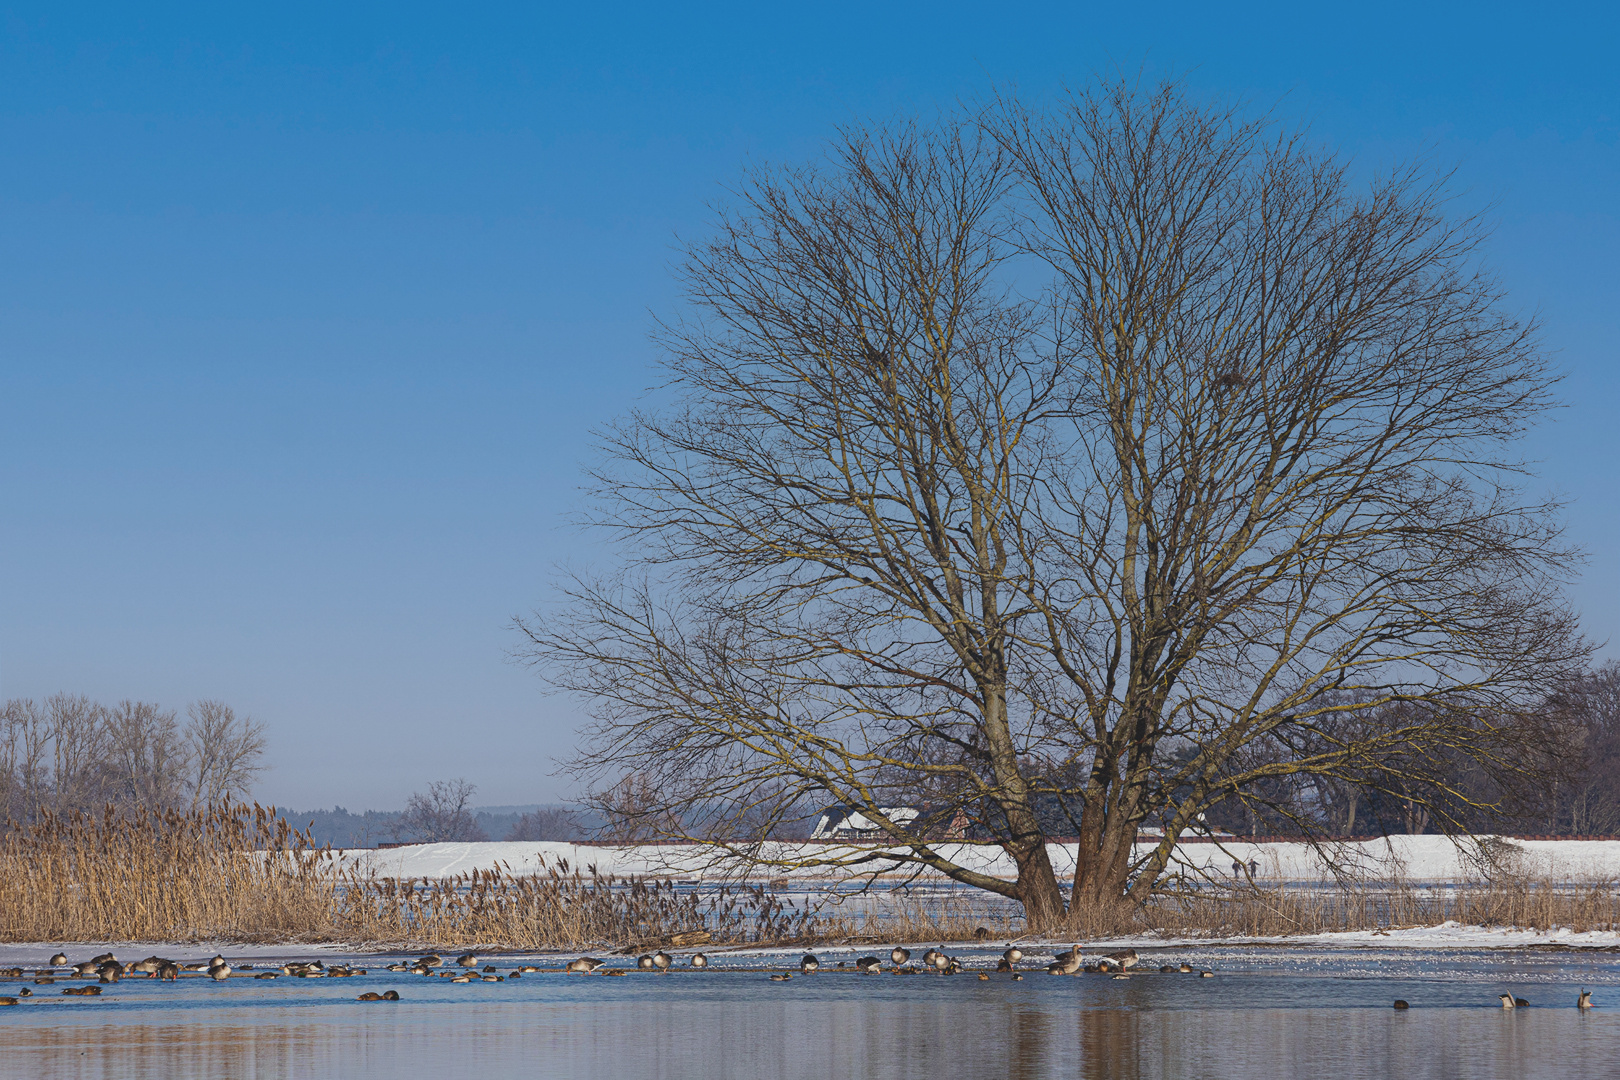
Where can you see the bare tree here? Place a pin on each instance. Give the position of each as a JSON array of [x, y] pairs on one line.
[[546, 823], [225, 751], [441, 813], [147, 755], [1101, 458]]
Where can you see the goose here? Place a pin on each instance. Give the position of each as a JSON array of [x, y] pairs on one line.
[[1585, 1000], [1125, 958], [699, 960], [661, 960], [148, 966], [220, 971], [1013, 955], [584, 965], [644, 962], [85, 969], [431, 960], [1003, 964], [168, 970], [869, 965], [104, 958], [899, 955], [216, 961], [942, 962], [808, 963], [467, 960], [59, 959], [1068, 962], [928, 958], [110, 972]]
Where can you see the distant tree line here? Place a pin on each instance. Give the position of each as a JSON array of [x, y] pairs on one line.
[[69, 753], [440, 813]]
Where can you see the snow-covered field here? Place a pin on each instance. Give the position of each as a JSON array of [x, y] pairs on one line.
[[1415, 859]]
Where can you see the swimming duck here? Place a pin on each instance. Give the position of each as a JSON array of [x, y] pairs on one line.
[[808, 963], [1511, 1002], [1399, 1004], [390, 995], [8, 1001], [268, 975], [699, 960], [661, 960], [1185, 969], [1017, 977], [1206, 974], [584, 965], [983, 977], [463, 978], [82, 991], [780, 977], [1585, 1000], [25, 992], [369, 997], [869, 965], [899, 955]]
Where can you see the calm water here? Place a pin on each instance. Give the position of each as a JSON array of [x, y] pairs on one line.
[[1304, 1012]]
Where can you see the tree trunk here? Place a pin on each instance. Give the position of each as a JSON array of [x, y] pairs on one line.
[[1038, 888], [1101, 865]]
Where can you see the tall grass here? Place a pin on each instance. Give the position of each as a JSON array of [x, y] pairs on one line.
[[241, 874]]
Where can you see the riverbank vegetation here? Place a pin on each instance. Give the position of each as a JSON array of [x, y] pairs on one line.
[[236, 873]]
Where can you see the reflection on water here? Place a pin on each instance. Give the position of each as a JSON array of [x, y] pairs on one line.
[[1266, 1020]]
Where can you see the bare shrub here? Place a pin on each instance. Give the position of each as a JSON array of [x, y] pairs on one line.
[[441, 813]]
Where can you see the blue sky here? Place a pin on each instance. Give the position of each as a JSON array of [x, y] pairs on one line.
[[306, 312]]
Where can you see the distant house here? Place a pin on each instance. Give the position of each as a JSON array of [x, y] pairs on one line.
[[847, 823]]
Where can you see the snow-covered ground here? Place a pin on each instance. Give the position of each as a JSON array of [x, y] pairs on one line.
[[1416, 859]]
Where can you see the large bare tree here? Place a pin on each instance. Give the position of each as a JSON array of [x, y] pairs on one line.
[[1068, 470]]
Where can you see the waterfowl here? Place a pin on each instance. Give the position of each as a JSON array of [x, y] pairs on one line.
[[220, 971], [868, 965], [1167, 969], [168, 970], [1055, 968], [110, 972], [1068, 962], [59, 959], [779, 977], [1399, 1004], [983, 977], [644, 962], [809, 963], [699, 960], [390, 995], [1185, 969], [952, 966], [82, 991], [467, 960], [1206, 974], [7, 1001], [1003, 964], [899, 955], [105, 957], [941, 962], [216, 961], [25, 992], [1125, 958], [928, 958], [1017, 977], [584, 965], [489, 968], [618, 971], [43, 980], [1585, 1000], [401, 966], [85, 969], [515, 975], [1507, 1001], [1521, 1003], [661, 960], [463, 978], [493, 978], [431, 960], [369, 997], [1122, 975], [1013, 955], [268, 975]]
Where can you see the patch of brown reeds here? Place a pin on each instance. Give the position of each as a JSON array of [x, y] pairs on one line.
[[242, 874]]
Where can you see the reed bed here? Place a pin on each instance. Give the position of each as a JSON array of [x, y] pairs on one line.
[[235, 873]]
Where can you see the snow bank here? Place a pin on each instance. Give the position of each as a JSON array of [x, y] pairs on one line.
[[1417, 859]]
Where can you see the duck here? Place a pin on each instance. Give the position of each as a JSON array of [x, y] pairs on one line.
[[82, 991], [263, 975], [390, 995], [369, 996], [781, 976], [467, 960], [1013, 955], [1017, 977], [7, 1001], [699, 960], [809, 963], [463, 978], [1511, 1002], [1585, 1000], [661, 960], [1167, 969], [1400, 1004], [59, 959], [1206, 974], [1185, 969], [983, 977], [584, 965], [1004, 964], [25, 992], [899, 955], [869, 965]]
